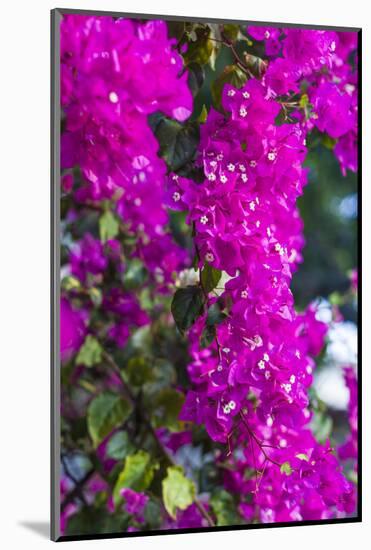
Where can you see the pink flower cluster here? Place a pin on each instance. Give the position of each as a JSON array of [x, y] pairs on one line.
[[349, 450], [252, 382], [250, 385], [114, 73], [321, 63]]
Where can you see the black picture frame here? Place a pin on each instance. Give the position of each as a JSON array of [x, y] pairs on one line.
[[56, 16]]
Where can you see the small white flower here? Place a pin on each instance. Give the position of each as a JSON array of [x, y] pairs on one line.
[[258, 341], [272, 155], [267, 375], [243, 112], [246, 95], [226, 350], [267, 35], [266, 357], [349, 88], [211, 176], [261, 365], [252, 163], [223, 178], [209, 257], [231, 167], [252, 206], [242, 167], [283, 443], [213, 163], [204, 220], [292, 378], [286, 387], [244, 294], [244, 177], [257, 223], [297, 353], [232, 405], [176, 196], [220, 156], [231, 93], [277, 247], [113, 97], [175, 177], [226, 409], [219, 368]]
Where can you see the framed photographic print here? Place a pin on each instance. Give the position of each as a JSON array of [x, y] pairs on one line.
[[205, 235]]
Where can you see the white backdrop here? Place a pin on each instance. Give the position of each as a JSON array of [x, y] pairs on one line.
[[24, 272]]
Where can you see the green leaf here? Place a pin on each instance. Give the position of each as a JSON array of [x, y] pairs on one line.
[[256, 65], [82, 522], [186, 306], [207, 336], [302, 456], [119, 446], [210, 277], [202, 117], [321, 426], [106, 412], [196, 77], [328, 141], [70, 283], [153, 514], [178, 143], [90, 353], [135, 274], [95, 296], [304, 101], [231, 75], [178, 491], [231, 32], [336, 299], [215, 315], [200, 46], [108, 226], [167, 405], [286, 468], [137, 474], [224, 508], [138, 371]]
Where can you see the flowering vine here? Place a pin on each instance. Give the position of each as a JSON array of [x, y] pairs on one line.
[[150, 189]]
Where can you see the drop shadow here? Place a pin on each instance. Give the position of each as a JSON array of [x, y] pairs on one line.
[[41, 528]]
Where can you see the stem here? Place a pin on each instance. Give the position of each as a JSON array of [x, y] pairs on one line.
[[238, 60], [259, 443], [207, 299], [77, 490]]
